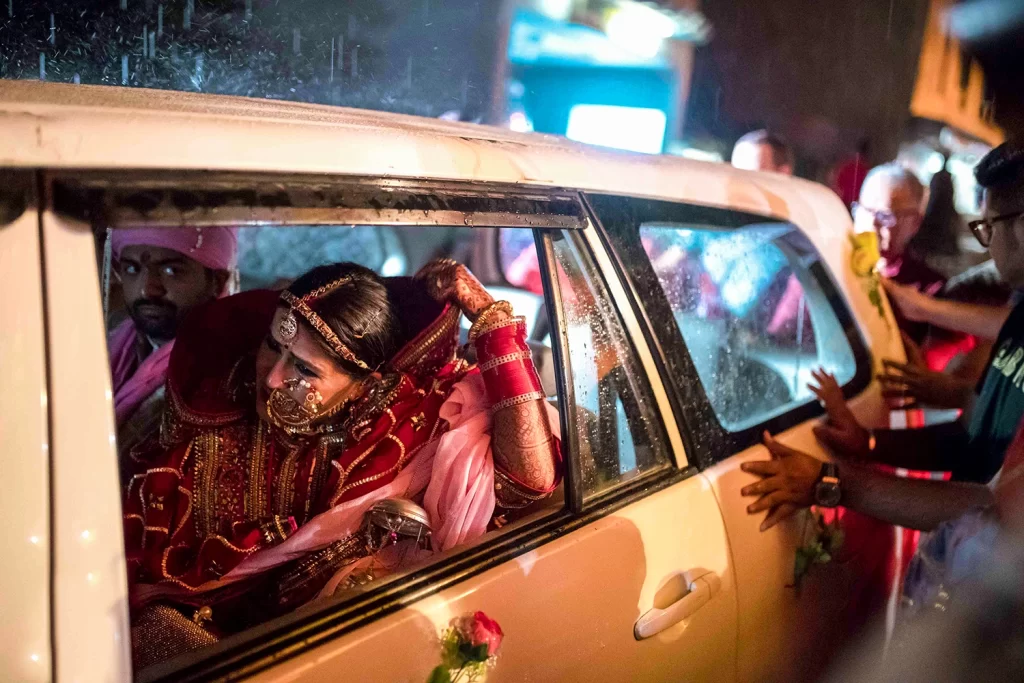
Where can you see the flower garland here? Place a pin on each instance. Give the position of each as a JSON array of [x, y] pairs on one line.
[[822, 542], [864, 263]]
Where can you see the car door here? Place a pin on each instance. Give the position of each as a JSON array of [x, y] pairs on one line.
[[634, 580], [26, 643], [741, 307], [625, 573]]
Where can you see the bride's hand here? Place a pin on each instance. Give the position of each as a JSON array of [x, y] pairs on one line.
[[448, 280]]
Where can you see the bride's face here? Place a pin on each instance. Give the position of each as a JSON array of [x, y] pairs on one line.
[[280, 362]]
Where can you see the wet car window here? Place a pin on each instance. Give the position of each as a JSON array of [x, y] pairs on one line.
[[149, 269], [270, 255], [754, 319], [616, 419]]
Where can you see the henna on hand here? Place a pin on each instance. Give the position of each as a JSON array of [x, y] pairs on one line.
[[448, 280], [471, 296]]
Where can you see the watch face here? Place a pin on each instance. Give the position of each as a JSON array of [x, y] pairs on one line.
[[827, 494]]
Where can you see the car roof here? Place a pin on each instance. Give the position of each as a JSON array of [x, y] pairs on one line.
[[54, 125]]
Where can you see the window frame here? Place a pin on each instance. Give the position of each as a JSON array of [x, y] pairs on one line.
[[618, 219], [653, 479], [119, 199]]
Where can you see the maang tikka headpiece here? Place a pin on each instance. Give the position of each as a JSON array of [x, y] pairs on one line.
[[289, 325]]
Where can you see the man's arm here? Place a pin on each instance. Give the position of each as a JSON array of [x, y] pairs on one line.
[[912, 503], [978, 319], [935, 448], [789, 479]]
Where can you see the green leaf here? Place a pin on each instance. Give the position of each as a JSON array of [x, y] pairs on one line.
[[440, 674], [473, 653], [800, 566]]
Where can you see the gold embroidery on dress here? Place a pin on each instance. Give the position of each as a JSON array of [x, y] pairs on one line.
[[407, 360], [188, 510], [397, 466], [285, 493], [319, 472], [255, 498], [206, 481]]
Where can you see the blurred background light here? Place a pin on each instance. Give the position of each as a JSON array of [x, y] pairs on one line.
[[631, 128]]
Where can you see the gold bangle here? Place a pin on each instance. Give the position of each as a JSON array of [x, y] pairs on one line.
[[497, 325], [488, 311]]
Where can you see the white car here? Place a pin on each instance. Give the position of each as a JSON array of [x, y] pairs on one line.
[[663, 324]]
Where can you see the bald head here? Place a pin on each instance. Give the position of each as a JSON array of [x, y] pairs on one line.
[[892, 202], [762, 151]]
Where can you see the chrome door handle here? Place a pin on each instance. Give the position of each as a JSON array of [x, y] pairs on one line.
[[703, 585]]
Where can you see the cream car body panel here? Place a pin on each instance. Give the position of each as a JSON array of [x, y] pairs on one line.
[[25, 648], [51, 126], [575, 602], [90, 626]]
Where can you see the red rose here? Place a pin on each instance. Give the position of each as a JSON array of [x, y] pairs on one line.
[[485, 631]]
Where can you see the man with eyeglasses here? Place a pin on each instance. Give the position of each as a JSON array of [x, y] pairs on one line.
[[892, 202]]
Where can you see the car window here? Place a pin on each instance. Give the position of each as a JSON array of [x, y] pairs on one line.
[[739, 309], [756, 322], [616, 420], [268, 256], [146, 285]]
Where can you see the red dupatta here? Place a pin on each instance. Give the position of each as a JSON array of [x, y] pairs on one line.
[[213, 491]]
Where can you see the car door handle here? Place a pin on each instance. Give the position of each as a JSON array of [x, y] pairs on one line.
[[703, 585]]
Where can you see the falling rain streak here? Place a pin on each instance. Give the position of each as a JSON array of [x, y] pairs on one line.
[[365, 53]]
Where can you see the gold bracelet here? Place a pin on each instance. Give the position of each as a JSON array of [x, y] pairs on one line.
[[497, 325], [488, 311]]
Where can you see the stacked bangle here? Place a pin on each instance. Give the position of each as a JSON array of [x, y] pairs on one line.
[[486, 314], [505, 361]]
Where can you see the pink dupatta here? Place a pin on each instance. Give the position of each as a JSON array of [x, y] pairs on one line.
[[134, 382]]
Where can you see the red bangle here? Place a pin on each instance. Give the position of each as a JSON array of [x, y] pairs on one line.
[[506, 364], [511, 379]]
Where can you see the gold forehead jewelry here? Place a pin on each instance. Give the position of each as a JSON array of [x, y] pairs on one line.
[[288, 326]]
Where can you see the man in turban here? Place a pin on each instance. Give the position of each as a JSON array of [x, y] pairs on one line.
[[164, 273]]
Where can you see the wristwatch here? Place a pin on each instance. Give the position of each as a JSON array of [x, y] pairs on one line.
[[827, 492]]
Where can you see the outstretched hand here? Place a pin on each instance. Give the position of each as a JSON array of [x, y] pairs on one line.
[[787, 483], [842, 433], [910, 381]]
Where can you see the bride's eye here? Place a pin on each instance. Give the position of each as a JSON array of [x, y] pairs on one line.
[[305, 370], [273, 345]]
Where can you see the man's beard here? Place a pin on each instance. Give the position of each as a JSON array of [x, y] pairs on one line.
[[155, 318]]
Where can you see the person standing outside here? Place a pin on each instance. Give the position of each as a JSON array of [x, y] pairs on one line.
[[760, 150]]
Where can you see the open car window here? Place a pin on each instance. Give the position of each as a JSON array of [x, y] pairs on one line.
[[271, 257], [615, 417]]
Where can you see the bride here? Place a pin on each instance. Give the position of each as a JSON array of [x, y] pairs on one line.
[[290, 414]]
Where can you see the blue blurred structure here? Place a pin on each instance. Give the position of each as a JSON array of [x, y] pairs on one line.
[[560, 66]]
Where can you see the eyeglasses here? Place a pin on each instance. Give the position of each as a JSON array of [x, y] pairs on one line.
[[984, 227], [883, 218]]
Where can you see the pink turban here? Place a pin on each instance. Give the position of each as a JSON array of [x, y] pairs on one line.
[[213, 247]]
